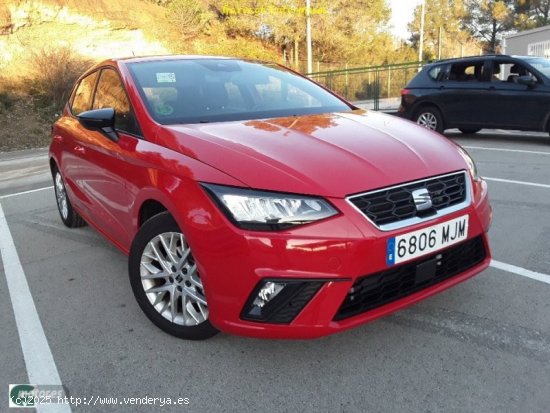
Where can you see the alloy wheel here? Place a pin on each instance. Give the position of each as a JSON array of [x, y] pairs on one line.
[[171, 281], [428, 120], [61, 196]]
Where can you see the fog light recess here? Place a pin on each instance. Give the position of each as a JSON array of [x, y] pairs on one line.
[[279, 301]]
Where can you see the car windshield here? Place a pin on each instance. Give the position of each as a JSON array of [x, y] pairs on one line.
[[541, 64], [216, 90]]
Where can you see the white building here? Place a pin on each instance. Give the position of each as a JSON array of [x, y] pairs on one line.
[[535, 42]]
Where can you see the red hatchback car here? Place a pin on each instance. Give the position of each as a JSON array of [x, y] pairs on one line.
[[252, 200]]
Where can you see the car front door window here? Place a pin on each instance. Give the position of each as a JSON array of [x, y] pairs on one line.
[[111, 94], [509, 71], [82, 99]]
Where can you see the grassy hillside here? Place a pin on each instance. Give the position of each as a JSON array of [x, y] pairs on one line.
[[46, 44]]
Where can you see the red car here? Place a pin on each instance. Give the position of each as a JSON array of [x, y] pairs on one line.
[[253, 201]]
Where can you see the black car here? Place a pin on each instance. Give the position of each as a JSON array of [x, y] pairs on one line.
[[494, 91]]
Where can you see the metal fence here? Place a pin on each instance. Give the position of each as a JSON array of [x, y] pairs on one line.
[[374, 87]]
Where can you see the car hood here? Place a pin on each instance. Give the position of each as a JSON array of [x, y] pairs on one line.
[[334, 155]]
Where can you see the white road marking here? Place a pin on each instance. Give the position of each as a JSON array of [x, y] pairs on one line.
[[41, 367], [521, 271], [25, 192], [506, 150], [509, 181], [19, 159]]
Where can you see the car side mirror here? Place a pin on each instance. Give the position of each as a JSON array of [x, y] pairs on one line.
[[527, 80], [100, 119]]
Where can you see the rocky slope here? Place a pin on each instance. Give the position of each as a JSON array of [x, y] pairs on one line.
[[94, 29]]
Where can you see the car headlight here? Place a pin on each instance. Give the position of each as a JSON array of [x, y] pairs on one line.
[[471, 164], [262, 210]]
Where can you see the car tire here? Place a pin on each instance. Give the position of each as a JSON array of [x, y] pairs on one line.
[[468, 131], [165, 281], [68, 215], [430, 117]]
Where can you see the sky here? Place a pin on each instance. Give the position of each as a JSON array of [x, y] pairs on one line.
[[402, 14]]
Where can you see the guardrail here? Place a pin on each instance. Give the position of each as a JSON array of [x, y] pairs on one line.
[[372, 87]]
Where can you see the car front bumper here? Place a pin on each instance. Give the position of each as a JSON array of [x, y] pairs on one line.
[[337, 252]]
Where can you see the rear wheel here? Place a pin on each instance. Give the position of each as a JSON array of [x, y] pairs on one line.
[[68, 215], [430, 117], [469, 131], [166, 282]]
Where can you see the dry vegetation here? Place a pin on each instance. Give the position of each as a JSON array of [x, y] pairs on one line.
[[29, 103], [22, 123], [46, 44], [57, 40]]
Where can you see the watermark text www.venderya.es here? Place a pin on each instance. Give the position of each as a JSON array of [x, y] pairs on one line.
[[271, 9], [30, 395], [128, 401]]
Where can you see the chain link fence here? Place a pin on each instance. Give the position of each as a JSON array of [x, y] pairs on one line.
[[373, 87]]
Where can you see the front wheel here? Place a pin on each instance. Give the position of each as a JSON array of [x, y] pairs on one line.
[[68, 215], [166, 282], [430, 117]]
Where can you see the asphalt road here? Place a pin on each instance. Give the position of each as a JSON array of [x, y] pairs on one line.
[[483, 346]]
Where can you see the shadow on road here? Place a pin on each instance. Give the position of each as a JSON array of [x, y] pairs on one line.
[[498, 137]]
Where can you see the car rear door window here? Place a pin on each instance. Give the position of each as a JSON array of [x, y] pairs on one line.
[[82, 99], [438, 73], [468, 72], [111, 94]]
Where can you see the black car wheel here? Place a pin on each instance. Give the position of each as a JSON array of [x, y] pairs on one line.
[[430, 117], [67, 213], [166, 282], [468, 131]]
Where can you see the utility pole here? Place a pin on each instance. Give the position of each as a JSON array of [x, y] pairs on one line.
[[421, 44], [308, 37], [439, 43]]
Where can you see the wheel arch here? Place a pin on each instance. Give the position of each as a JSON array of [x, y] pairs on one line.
[[427, 104], [148, 209], [53, 165], [546, 124]]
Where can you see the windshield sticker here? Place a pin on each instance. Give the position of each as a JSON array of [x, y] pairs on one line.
[[166, 78], [164, 109]]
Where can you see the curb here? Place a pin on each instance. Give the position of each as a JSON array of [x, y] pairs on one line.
[[23, 154]]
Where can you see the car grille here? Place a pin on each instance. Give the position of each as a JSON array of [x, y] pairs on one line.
[[384, 287], [396, 205]]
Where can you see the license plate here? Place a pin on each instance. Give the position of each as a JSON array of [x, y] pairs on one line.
[[427, 240]]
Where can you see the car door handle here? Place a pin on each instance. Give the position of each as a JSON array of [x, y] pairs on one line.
[[80, 150]]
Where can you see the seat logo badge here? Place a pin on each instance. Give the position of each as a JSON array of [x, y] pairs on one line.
[[422, 199]]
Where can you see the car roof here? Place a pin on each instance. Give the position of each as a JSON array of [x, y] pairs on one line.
[[482, 57], [159, 58], [154, 58], [115, 61]]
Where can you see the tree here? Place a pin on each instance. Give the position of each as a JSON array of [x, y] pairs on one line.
[[490, 19], [343, 30], [191, 17], [442, 17], [532, 13], [352, 31], [541, 12]]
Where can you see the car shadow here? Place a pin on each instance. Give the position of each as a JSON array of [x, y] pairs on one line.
[[499, 137]]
